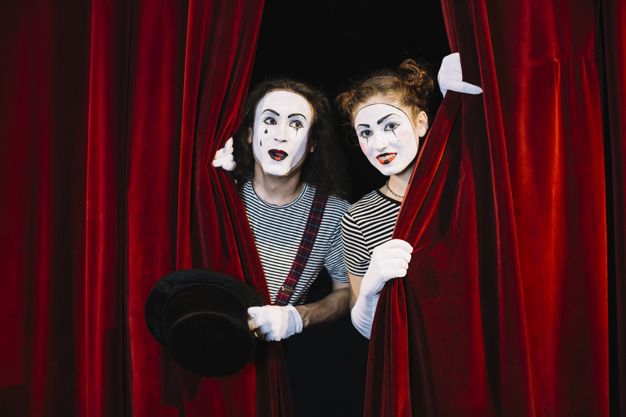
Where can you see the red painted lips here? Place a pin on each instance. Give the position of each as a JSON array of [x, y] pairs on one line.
[[277, 154], [386, 158]]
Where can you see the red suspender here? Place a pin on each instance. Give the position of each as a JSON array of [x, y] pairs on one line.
[[304, 251]]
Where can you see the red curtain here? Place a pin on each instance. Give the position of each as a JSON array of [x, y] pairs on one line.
[[111, 112], [505, 308], [614, 54]]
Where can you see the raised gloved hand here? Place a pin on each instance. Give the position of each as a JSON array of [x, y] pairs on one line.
[[224, 157], [450, 76], [274, 323], [389, 260]]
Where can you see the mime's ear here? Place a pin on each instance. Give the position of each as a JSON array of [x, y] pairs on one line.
[[249, 135], [421, 124], [310, 144]]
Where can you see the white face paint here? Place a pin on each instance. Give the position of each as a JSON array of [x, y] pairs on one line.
[[387, 137], [280, 131]]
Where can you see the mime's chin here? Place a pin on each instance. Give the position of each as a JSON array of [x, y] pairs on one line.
[[280, 174], [277, 170]]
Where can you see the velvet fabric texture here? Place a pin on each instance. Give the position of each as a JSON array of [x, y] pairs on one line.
[[111, 112], [504, 311], [613, 20]]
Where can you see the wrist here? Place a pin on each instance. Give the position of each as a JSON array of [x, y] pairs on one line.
[[366, 289], [303, 312], [367, 300], [296, 319], [362, 314]]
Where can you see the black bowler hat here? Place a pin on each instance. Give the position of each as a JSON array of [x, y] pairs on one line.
[[201, 318]]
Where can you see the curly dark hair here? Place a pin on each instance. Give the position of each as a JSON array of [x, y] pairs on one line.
[[411, 83], [323, 167]]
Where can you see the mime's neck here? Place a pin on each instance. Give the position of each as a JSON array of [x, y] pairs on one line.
[[276, 190]]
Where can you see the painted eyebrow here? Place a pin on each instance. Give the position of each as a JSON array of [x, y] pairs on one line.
[[382, 119], [296, 114], [271, 111], [364, 125]]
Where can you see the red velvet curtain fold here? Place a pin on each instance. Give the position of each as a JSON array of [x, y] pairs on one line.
[[613, 21], [504, 310], [114, 111], [110, 113]]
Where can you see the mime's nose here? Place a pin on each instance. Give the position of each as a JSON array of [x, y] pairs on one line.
[[281, 133], [380, 142]]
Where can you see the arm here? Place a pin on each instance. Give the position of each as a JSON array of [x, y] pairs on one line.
[[331, 307], [355, 286], [274, 323], [289, 320], [389, 260], [361, 315], [337, 303]]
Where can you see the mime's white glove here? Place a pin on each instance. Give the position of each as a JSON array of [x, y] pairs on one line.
[[224, 157], [389, 260], [274, 323], [450, 76]]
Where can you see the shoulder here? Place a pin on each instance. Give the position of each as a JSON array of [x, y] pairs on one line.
[[370, 203], [355, 212], [335, 206], [246, 191], [248, 196], [370, 199], [372, 208]]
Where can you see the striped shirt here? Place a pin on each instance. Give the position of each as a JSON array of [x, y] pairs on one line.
[[278, 231], [367, 224]]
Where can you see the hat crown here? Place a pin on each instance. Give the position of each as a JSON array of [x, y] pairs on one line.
[[200, 317]]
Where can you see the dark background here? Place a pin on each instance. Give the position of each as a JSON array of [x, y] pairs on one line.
[[328, 44]]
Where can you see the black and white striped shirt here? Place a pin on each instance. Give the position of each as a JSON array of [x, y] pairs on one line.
[[367, 224], [278, 231]]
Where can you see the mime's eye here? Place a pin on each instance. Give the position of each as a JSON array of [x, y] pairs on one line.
[[365, 133], [296, 124], [391, 126], [269, 120]]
